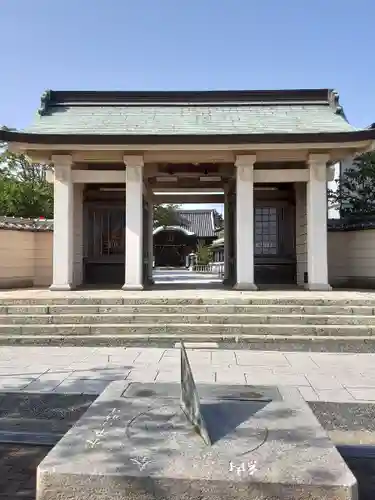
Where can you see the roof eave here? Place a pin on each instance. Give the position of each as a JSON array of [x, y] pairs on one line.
[[133, 139], [53, 97]]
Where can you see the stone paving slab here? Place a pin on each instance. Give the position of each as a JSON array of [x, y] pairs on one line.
[[338, 377], [209, 293]]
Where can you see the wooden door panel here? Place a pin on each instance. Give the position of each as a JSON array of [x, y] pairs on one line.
[[274, 242], [273, 232]]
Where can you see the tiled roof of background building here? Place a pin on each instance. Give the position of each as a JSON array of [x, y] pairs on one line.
[[352, 224], [203, 223], [22, 224]]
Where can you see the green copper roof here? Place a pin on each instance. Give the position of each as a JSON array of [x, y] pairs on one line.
[[190, 113], [195, 120], [185, 119], [193, 117]]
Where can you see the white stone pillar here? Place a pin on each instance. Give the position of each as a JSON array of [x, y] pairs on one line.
[[78, 234], [63, 224], [226, 235], [245, 222], [150, 235], [134, 223], [316, 209]]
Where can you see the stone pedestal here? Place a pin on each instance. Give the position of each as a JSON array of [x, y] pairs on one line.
[[135, 442]]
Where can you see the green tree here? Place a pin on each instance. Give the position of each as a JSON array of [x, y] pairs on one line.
[[356, 188], [204, 254], [167, 215], [219, 219], [24, 190]]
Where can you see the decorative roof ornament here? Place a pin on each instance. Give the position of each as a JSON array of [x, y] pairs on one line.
[[44, 102], [335, 103]]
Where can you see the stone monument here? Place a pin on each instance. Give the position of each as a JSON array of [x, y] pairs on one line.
[[162, 441]]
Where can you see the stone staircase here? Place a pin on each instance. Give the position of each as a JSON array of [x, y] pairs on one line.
[[260, 323]]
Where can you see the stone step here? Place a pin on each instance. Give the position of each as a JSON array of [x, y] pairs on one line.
[[168, 319], [323, 343], [188, 309], [241, 300], [196, 329]]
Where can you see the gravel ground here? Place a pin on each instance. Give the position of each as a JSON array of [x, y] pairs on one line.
[[17, 470]]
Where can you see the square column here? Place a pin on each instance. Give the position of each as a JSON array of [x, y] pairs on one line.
[[226, 235], [316, 209], [63, 224], [245, 222], [78, 234], [150, 235], [134, 223]]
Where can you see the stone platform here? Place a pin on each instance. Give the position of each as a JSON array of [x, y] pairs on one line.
[[135, 443]]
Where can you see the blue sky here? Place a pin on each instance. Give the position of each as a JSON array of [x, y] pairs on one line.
[[177, 45]]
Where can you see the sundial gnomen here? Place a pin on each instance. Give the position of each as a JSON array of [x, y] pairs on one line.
[[190, 403]]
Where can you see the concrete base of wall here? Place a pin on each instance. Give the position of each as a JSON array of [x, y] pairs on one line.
[[8, 283], [355, 282]]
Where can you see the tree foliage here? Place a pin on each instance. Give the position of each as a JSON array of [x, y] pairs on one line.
[[166, 215], [355, 192], [204, 254], [219, 220], [24, 191]]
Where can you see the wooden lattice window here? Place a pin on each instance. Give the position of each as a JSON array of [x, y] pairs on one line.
[[266, 237]]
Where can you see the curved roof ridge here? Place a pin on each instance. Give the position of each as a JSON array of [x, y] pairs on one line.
[[91, 97]]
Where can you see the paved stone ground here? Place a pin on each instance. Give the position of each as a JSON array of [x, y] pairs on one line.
[[83, 370], [181, 276], [187, 292]]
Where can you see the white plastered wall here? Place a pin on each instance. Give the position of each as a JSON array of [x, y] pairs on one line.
[[351, 258]]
